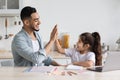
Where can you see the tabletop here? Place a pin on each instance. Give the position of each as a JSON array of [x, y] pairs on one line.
[[18, 73]]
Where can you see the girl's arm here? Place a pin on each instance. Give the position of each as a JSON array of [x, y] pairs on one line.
[[88, 63], [59, 48]]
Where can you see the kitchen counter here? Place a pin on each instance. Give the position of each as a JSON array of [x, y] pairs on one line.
[[4, 54], [6, 58], [56, 55], [8, 55]]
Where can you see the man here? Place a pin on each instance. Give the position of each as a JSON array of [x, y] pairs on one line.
[[27, 46]]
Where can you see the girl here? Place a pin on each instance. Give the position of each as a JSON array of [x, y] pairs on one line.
[[87, 52]]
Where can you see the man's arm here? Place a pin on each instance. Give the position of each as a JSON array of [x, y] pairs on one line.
[[54, 63], [48, 61], [53, 37]]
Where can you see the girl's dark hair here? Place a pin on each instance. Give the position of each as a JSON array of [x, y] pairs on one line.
[[26, 12], [94, 41]]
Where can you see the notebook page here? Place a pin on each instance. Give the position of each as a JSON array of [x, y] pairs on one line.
[[42, 69]]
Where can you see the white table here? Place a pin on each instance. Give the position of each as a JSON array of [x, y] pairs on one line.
[[16, 73]]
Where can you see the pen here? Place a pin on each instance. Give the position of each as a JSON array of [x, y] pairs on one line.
[[55, 69], [52, 72], [70, 73]]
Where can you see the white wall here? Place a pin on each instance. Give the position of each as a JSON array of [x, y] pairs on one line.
[[78, 16]]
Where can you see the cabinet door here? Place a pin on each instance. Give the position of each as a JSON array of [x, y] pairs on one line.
[[6, 62], [2, 4], [10, 7], [13, 4]]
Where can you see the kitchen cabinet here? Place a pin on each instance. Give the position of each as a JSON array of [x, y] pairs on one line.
[[6, 58], [6, 62], [10, 7]]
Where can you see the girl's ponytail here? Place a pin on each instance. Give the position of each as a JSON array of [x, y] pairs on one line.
[[96, 48]]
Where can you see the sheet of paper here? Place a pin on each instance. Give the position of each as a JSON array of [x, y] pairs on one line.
[[74, 67]]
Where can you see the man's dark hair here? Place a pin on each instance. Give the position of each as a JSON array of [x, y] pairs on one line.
[[26, 12]]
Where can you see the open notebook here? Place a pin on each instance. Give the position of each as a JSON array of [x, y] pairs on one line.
[[111, 63], [42, 69]]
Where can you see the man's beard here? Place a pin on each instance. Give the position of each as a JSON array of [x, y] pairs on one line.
[[34, 29]]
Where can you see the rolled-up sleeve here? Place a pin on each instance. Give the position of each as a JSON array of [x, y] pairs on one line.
[[47, 61]]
